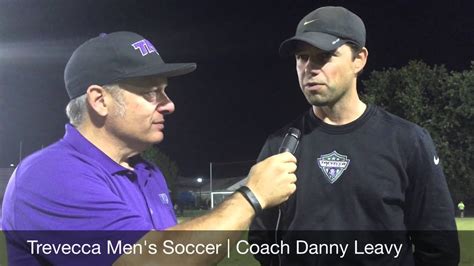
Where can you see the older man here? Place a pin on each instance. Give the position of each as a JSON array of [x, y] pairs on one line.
[[94, 178]]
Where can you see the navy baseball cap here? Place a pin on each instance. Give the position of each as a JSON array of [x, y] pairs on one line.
[[109, 58], [327, 28]]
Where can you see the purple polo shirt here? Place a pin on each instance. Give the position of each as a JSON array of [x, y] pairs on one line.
[[72, 185]]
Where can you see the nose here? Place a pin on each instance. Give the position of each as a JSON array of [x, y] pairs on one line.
[[166, 107], [314, 63], [313, 67]]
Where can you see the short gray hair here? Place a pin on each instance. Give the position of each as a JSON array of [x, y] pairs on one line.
[[76, 109]]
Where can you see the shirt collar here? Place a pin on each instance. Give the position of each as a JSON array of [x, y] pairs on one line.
[[78, 142]]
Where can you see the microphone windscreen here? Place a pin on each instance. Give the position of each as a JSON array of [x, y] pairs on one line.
[[290, 141]]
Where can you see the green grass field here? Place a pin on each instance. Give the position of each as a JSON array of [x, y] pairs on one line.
[[466, 240]]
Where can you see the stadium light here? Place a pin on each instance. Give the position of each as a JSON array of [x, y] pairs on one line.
[[199, 180]]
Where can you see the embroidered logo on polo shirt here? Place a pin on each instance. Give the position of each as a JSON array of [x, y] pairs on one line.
[[164, 198], [333, 165]]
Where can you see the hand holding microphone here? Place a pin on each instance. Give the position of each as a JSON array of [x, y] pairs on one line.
[[272, 180]]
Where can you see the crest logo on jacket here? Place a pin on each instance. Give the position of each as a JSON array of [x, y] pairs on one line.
[[333, 165]]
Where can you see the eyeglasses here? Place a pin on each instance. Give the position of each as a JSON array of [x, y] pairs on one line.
[[151, 89], [154, 97]]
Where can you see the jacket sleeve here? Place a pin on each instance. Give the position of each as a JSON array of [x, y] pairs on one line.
[[429, 207], [262, 229]]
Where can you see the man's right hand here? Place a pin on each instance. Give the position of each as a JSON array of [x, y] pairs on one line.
[[273, 179]]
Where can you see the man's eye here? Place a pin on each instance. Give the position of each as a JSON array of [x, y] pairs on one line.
[[150, 96], [326, 56]]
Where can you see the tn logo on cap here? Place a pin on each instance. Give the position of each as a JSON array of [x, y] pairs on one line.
[[145, 47]]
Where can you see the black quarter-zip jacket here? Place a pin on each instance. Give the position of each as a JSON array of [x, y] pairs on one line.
[[377, 173]]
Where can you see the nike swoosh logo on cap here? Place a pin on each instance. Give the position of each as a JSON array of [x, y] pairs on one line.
[[309, 21]]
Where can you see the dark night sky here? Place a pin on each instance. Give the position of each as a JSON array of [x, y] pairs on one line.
[[242, 90]]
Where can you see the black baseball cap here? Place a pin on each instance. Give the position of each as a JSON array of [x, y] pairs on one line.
[[327, 28], [116, 56]]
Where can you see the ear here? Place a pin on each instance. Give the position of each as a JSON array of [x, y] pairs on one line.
[[97, 100], [360, 60]]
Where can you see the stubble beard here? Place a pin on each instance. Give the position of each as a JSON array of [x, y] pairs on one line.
[[329, 98], [316, 100]]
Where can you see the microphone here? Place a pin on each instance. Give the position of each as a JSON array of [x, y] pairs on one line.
[[289, 144], [290, 141]]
